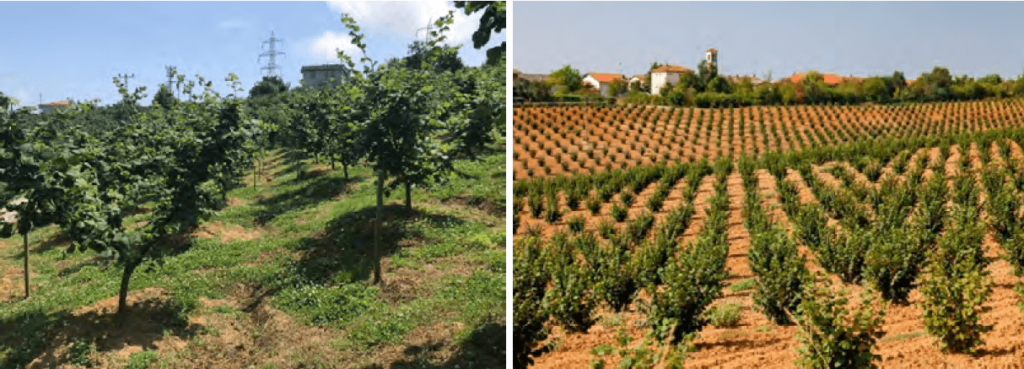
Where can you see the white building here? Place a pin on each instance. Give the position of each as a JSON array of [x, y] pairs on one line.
[[711, 56], [602, 81], [639, 78], [316, 75], [666, 74]]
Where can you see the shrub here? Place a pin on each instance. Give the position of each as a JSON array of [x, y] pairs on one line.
[[606, 229], [568, 300], [614, 283], [627, 198], [781, 274], [515, 222], [843, 254], [656, 200], [962, 242], [953, 305], [895, 208], [930, 214], [594, 205], [528, 283], [810, 222], [606, 192], [789, 196], [534, 200], [956, 286], [1013, 249], [573, 197], [872, 170], [893, 262], [725, 315], [827, 340], [1003, 208], [619, 212], [692, 280], [965, 191], [677, 220], [552, 213], [637, 229], [650, 258], [576, 223]]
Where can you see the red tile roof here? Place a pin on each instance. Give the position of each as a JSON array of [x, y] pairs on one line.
[[606, 77], [829, 79], [58, 103], [671, 69]]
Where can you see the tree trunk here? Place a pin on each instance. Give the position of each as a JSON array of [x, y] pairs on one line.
[[122, 300], [25, 237], [376, 228], [408, 195], [332, 162], [344, 166], [255, 172]]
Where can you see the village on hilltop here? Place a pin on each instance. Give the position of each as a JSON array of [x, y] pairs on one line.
[[668, 84]]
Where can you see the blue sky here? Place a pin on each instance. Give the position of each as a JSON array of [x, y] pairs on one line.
[[863, 38], [74, 49]]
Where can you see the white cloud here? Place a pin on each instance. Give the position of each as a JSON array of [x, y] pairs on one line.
[[325, 47], [402, 19], [24, 97], [233, 24]]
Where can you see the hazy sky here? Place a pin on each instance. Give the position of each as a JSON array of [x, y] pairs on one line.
[[862, 38], [74, 49]]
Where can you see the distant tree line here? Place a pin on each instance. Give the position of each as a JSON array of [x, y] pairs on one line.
[[705, 88]]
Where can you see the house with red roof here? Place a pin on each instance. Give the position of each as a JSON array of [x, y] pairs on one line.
[[829, 79], [602, 81], [639, 78], [48, 107]]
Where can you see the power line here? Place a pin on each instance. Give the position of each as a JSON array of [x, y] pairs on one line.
[[126, 77], [272, 66], [171, 71], [428, 28]]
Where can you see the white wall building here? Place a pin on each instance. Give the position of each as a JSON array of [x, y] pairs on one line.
[[639, 78], [602, 81], [666, 74]]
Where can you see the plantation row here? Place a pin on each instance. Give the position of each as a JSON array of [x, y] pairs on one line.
[[898, 215], [88, 172], [561, 140]]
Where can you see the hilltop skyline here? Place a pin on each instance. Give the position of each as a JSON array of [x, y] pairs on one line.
[[74, 49], [861, 39]]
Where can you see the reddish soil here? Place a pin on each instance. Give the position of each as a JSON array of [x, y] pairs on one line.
[[552, 141], [755, 342]]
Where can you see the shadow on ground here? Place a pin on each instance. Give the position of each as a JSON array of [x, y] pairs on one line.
[[316, 191], [485, 348], [346, 244], [46, 340]]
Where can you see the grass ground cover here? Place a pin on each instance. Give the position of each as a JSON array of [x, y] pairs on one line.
[[280, 279]]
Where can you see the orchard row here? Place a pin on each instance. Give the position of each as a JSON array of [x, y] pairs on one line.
[[552, 141], [893, 216]]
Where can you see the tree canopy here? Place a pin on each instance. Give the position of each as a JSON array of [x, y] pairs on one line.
[[270, 85], [493, 20]]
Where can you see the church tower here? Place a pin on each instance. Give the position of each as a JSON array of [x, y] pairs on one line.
[[711, 57]]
